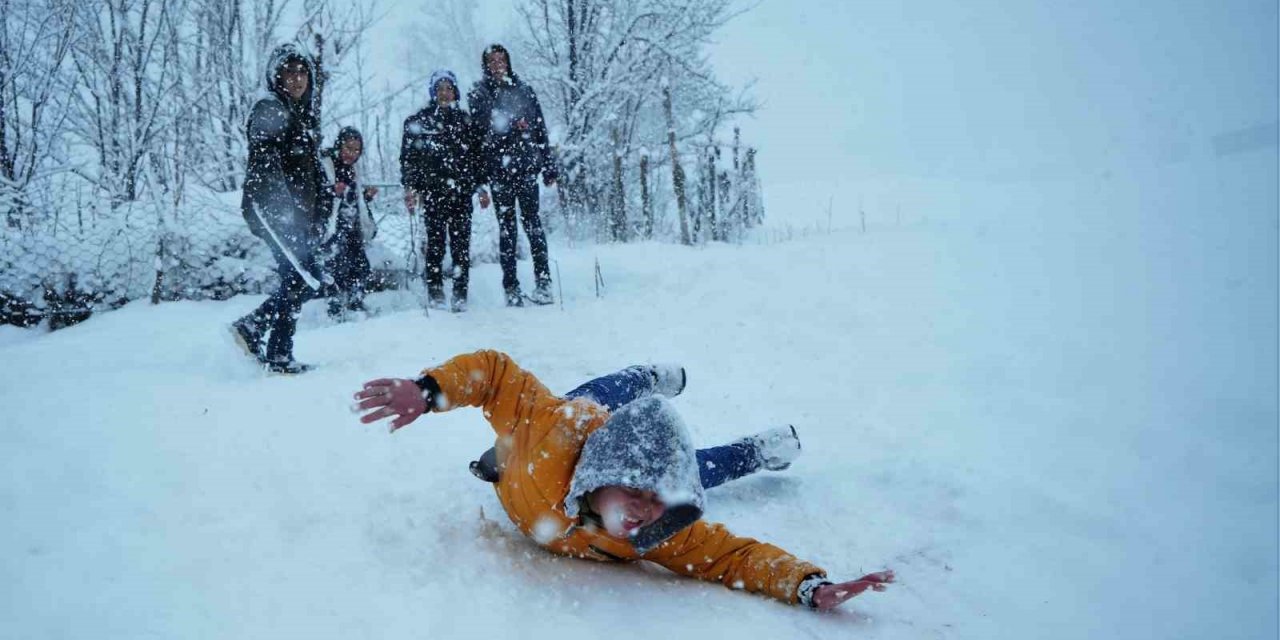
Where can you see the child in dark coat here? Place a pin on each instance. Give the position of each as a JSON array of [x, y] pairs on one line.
[[350, 225]]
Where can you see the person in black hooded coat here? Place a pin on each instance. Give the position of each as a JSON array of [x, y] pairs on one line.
[[515, 150], [282, 203], [440, 163], [349, 225]]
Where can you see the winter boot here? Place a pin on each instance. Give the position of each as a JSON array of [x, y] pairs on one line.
[[668, 379], [542, 295], [775, 448], [458, 305], [514, 298], [435, 298], [248, 335], [285, 366], [335, 310]]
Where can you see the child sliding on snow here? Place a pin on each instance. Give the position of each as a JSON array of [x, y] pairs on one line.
[[608, 472]]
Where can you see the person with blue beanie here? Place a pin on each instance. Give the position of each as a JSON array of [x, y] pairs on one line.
[[440, 169]]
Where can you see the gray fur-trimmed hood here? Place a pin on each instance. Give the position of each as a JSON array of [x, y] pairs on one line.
[[643, 445]]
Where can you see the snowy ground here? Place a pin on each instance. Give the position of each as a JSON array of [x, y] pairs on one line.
[[1051, 408]]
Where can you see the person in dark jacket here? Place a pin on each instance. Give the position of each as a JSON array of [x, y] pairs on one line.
[[440, 168], [281, 202], [515, 151], [349, 226]]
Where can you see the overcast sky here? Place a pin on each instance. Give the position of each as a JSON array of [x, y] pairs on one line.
[[986, 89], [990, 88]]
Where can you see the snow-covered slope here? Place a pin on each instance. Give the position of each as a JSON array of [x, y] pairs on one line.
[[1051, 408]]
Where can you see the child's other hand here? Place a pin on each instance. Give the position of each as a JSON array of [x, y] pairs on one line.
[[388, 397], [829, 596], [340, 188]]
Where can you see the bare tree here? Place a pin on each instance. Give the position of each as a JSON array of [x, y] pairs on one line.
[[333, 29], [35, 41], [603, 66], [121, 81], [445, 36], [217, 69]]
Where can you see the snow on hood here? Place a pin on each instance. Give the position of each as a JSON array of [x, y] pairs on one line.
[[643, 445]]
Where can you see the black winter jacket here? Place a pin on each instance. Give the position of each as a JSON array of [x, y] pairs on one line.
[[497, 106], [440, 151], [283, 179]]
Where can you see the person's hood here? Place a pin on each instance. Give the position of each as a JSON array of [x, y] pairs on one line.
[[283, 54], [444, 74], [484, 60], [643, 445], [347, 133]]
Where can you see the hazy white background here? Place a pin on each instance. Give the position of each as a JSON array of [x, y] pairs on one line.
[[1041, 383]]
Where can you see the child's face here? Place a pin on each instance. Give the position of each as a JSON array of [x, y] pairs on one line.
[[446, 93], [350, 151], [624, 510]]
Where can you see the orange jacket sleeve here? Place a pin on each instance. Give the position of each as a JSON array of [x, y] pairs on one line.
[[491, 380], [708, 551]]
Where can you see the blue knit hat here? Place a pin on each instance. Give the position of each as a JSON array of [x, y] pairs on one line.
[[442, 74]]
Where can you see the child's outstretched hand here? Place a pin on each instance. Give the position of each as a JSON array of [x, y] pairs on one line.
[[389, 397], [829, 596]]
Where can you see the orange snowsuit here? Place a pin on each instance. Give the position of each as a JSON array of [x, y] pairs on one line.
[[539, 439]]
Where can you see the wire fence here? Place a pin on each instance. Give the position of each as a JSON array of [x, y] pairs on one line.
[[88, 256], [64, 268]]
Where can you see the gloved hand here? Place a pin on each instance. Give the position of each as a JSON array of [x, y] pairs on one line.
[[387, 397], [833, 595]]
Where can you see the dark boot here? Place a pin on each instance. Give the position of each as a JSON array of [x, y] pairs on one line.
[[435, 296], [248, 335], [285, 366], [335, 309]]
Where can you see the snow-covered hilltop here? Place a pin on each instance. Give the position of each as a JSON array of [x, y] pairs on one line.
[[1057, 426]]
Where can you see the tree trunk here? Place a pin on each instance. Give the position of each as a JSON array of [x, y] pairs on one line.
[[646, 202], [317, 98], [737, 139], [713, 227], [677, 172], [726, 215], [6, 162], [618, 202]]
